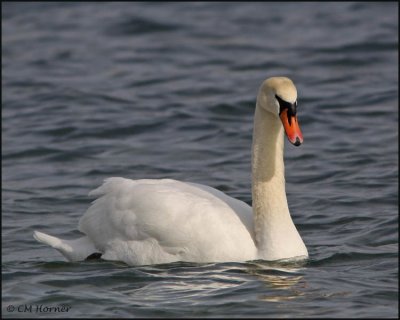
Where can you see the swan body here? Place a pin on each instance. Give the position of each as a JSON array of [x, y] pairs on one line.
[[149, 221]]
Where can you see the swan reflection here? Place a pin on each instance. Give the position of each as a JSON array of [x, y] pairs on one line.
[[283, 282]]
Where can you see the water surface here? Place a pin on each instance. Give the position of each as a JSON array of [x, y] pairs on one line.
[[167, 90]]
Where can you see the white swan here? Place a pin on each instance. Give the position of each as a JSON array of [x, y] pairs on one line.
[[159, 221]]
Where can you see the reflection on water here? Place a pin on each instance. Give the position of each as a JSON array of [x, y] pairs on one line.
[[287, 283], [285, 278], [276, 282]]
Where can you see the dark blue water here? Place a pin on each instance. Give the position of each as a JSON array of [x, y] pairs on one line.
[[167, 90]]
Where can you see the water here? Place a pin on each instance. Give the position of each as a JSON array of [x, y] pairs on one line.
[[167, 90]]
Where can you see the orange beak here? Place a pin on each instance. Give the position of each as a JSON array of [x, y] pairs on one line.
[[292, 128]]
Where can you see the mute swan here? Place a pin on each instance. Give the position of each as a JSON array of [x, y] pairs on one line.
[[159, 221]]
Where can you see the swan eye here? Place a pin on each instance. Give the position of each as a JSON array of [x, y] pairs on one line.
[[291, 107]]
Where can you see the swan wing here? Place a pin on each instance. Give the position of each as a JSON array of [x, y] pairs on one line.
[[157, 221]]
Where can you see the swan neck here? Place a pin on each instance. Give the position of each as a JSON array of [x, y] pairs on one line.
[[272, 221], [268, 146]]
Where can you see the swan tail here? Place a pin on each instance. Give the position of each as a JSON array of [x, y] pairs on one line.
[[73, 250]]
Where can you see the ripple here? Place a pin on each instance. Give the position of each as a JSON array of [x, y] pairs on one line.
[[140, 25]]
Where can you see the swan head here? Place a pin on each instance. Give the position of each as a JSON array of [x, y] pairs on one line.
[[278, 95]]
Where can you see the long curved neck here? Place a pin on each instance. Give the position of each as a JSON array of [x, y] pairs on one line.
[[275, 233]]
